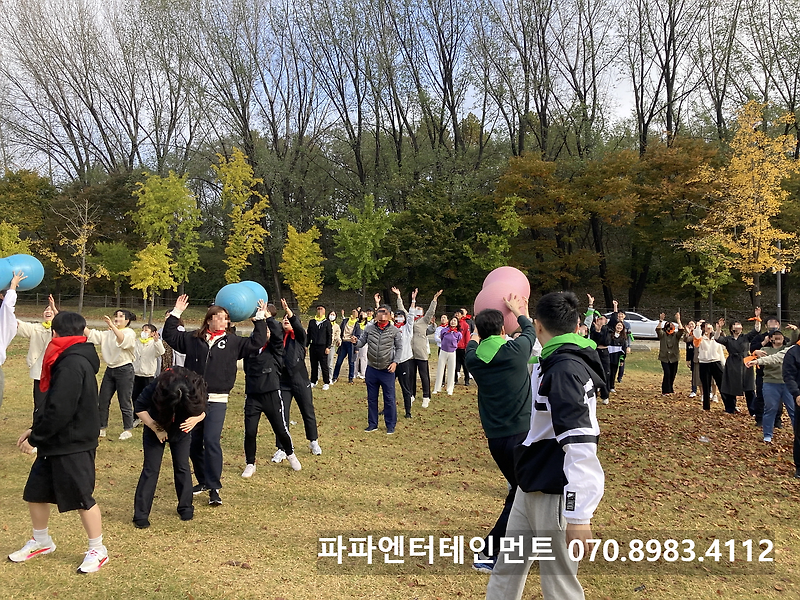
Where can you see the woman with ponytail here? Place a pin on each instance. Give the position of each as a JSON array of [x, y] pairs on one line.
[[169, 408]]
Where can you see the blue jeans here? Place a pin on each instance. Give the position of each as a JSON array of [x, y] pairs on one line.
[[346, 349], [375, 380], [774, 394]]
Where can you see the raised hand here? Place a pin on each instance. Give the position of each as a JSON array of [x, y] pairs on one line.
[[395, 291], [662, 316], [414, 295], [18, 276], [51, 301], [591, 299], [182, 303], [437, 294], [286, 308]]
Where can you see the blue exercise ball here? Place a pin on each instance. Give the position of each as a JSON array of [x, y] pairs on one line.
[[6, 273], [260, 292], [239, 300], [30, 266]]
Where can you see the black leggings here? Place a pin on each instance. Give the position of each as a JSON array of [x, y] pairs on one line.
[[670, 371], [707, 372], [270, 405]]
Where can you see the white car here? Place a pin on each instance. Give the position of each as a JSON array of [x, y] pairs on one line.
[[642, 328]]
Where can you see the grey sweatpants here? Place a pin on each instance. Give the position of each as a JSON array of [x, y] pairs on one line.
[[536, 514]]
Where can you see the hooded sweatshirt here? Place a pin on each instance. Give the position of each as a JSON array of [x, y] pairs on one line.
[[559, 456]]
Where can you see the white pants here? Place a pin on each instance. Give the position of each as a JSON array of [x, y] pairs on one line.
[[446, 360], [536, 514], [332, 361], [361, 362]]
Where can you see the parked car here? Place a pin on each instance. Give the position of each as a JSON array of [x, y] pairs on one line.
[[642, 328]]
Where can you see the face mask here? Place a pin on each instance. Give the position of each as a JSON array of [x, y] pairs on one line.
[[332, 316], [145, 335], [400, 320]]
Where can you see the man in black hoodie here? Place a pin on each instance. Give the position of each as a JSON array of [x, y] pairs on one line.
[[64, 432], [560, 478]]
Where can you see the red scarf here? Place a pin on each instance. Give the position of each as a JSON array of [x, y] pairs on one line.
[[215, 335], [52, 352], [454, 329], [287, 335], [381, 324], [399, 325]]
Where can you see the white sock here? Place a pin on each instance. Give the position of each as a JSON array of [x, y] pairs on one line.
[[42, 536], [96, 543]]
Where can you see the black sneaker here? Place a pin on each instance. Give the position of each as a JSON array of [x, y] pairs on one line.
[[408, 415], [213, 498], [199, 489], [141, 524], [370, 429]]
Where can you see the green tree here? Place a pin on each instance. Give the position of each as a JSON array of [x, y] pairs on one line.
[[10, 242], [247, 210], [152, 272], [25, 198], [358, 238], [166, 212], [116, 259], [302, 265]]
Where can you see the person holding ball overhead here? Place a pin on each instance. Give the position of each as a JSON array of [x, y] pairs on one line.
[[8, 322], [212, 351]]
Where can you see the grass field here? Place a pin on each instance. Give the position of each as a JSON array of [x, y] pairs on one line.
[[435, 476]]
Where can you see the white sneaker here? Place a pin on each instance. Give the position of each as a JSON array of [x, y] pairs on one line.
[[279, 456], [125, 435], [334, 381], [313, 385], [613, 391], [102, 433], [325, 387], [249, 471], [314, 446], [605, 401], [412, 400], [293, 462], [692, 395], [425, 402], [94, 559], [714, 398], [32, 549]]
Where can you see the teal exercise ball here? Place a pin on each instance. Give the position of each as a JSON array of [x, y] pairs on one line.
[[30, 266], [239, 300], [260, 292], [6, 273]]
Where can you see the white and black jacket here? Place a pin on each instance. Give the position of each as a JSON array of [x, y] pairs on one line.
[[559, 456]]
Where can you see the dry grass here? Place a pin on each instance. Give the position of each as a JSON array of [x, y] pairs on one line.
[[435, 475]]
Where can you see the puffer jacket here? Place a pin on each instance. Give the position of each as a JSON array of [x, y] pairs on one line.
[[383, 345]]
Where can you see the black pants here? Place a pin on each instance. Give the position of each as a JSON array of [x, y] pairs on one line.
[[305, 402], [206, 448], [403, 375], [605, 360], [621, 371], [271, 405], [461, 364], [119, 380], [319, 362], [667, 382], [502, 450], [179, 444], [421, 367], [707, 372], [139, 383], [615, 361]]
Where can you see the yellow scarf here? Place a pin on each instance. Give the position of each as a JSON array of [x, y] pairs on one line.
[[319, 319], [47, 324]]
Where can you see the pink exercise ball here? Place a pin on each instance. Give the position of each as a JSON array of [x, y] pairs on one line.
[[491, 296], [514, 279]]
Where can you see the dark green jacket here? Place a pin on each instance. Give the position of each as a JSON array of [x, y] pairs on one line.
[[504, 384]]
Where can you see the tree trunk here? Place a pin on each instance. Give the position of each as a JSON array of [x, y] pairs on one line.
[[597, 236], [118, 290], [785, 297]]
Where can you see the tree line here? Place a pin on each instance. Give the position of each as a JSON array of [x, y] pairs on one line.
[[564, 136]]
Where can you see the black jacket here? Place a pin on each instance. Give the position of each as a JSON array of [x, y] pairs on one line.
[[263, 370], [791, 371], [69, 420], [144, 403], [294, 356], [216, 364], [320, 334]]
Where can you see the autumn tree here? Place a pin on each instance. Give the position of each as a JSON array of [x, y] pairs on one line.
[[247, 210], [77, 234], [116, 258], [302, 265], [358, 239], [152, 272], [167, 213], [743, 218], [10, 241]]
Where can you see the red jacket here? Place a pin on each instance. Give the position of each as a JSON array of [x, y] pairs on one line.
[[463, 327]]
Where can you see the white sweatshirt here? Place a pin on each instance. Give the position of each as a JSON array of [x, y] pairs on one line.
[[40, 336], [115, 354]]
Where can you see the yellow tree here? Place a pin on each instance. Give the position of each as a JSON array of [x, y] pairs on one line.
[[152, 272], [302, 266], [248, 208], [742, 218], [10, 242]]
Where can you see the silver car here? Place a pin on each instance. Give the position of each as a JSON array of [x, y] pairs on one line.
[[642, 328]]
